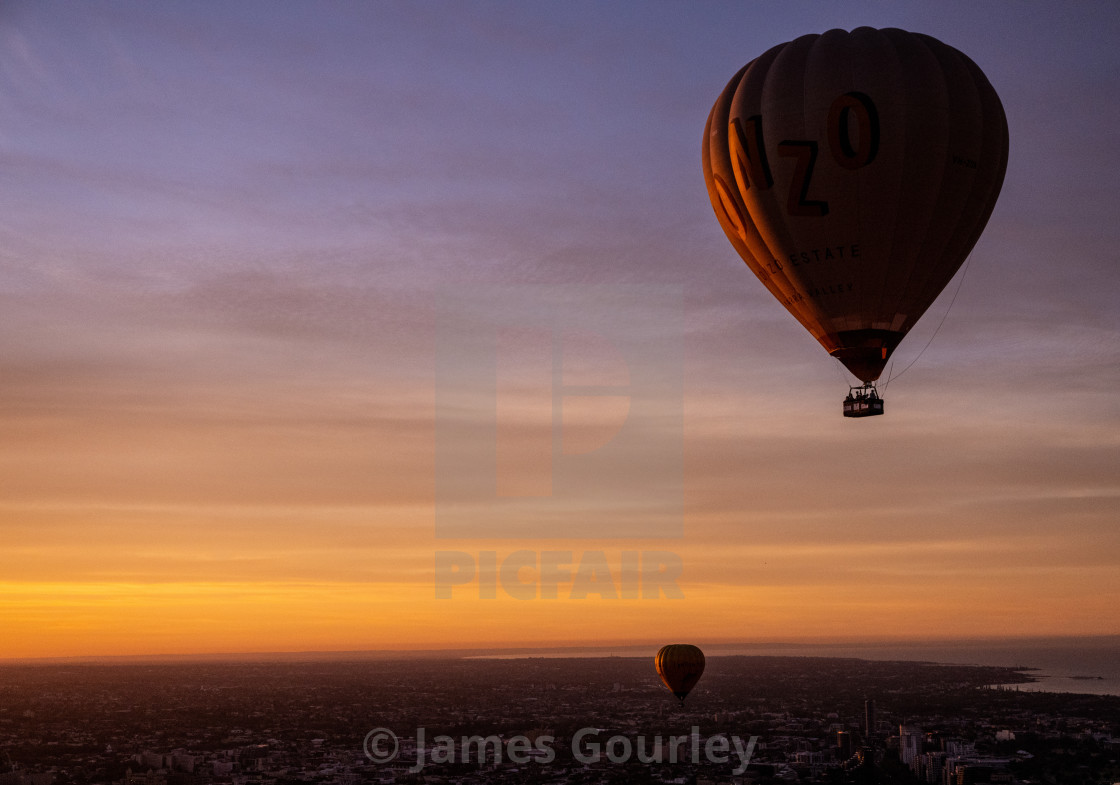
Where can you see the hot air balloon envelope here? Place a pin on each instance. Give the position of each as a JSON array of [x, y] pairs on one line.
[[680, 666], [854, 172]]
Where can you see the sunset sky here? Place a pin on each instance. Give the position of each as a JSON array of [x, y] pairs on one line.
[[298, 297]]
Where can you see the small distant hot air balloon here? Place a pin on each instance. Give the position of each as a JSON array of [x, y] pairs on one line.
[[680, 666], [853, 172]]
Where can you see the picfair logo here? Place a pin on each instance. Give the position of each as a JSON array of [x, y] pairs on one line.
[[559, 412]]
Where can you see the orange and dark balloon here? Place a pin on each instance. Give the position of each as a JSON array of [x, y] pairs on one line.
[[680, 666], [854, 172]]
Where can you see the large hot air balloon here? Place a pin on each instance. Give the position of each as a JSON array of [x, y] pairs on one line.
[[680, 666], [854, 172]]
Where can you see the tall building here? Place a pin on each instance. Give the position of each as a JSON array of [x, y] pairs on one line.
[[910, 741], [868, 718], [932, 766]]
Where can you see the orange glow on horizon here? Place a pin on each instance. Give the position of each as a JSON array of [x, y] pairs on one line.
[[104, 618], [306, 299]]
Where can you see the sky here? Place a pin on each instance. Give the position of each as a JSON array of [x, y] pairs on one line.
[[345, 326]]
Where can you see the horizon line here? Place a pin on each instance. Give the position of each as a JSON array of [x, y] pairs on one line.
[[484, 651]]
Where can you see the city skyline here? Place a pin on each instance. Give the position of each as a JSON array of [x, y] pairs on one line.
[[255, 263]]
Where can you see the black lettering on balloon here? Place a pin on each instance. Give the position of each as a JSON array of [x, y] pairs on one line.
[[853, 139], [730, 207], [862, 151], [826, 254], [748, 155], [806, 154]]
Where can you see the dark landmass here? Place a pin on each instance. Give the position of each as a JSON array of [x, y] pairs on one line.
[[293, 722]]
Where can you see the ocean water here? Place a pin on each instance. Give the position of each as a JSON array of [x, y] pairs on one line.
[[1078, 665]]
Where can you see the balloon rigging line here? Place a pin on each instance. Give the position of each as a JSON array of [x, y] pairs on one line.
[[944, 316], [839, 372]]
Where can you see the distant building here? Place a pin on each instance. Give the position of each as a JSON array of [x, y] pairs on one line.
[[152, 760], [958, 748], [148, 778], [931, 767], [868, 718], [910, 745], [182, 761], [969, 770], [26, 778]]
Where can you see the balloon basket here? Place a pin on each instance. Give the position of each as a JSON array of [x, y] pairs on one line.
[[863, 401]]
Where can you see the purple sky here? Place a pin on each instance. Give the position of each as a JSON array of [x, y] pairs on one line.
[[226, 231]]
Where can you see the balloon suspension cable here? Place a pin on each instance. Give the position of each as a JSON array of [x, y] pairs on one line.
[[865, 390], [944, 316], [843, 373]]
